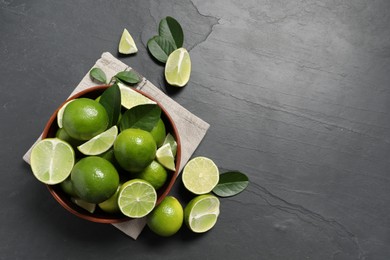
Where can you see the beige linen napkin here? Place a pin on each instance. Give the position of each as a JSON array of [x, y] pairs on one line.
[[191, 128]]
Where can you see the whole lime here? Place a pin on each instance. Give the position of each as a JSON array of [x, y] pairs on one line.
[[134, 149], [158, 132], [166, 218], [84, 118], [155, 174], [94, 179]]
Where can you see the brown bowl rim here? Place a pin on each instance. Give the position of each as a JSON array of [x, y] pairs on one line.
[[64, 202]]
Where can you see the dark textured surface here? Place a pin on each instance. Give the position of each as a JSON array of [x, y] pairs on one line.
[[297, 96]]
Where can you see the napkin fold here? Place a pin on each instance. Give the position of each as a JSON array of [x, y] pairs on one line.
[[191, 128]]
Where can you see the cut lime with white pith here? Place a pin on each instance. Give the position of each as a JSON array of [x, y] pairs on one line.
[[165, 156], [200, 175], [60, 113], [178, 68], [100, 143], [126, 43], [52, 160], [131, 98]]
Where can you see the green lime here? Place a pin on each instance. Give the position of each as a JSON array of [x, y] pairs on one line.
[[100, 143], [111, 204], [126, 43], [171, 140], [158, 132], [134, 149], [201, 213], [94, 179], [67, 187], [200, 175], [52, 160], [166, 218], [137, 198], [131, 98], [84, 118], [63, 135], [178, 68], [165, 156], [155, 174]]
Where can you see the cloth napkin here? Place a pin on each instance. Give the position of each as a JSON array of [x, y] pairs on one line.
[[191, 128]]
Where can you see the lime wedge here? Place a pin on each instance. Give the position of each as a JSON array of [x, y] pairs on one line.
[[200, 175], [126, 43], [60, 113], [171, 140], [165, 156], [100, 143], [52, 160], [131, 98], [90, 207], [178, 68], [137, 198], [201, 213]]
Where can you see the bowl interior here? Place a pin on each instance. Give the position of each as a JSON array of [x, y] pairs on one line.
[[99, 215]]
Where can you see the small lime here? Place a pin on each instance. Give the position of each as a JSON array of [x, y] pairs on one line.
[[155, 174]]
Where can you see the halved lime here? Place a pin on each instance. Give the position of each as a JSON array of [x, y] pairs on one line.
[[201, 213], [165, 156], [126, 43], [60, 113], [131, 98], [171, 140], [200, 175], [137, 198], [52, 160], [100, 143], [178, 68]]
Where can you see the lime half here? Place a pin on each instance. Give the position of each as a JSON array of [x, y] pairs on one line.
[[137, 198], [201, 213], [126, 43], [131, 98], [200, 175], [178, 68], [100, 143], [52, 160], [165, 156]]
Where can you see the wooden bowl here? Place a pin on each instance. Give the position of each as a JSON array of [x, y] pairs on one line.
[[100, 216]]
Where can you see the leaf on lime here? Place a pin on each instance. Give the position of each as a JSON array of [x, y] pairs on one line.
[[143, 117], [111, 101], [231, 183]]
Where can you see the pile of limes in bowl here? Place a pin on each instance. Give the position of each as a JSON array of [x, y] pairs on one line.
[[100, 165]]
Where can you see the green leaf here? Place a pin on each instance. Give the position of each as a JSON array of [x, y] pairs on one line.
[[144, 117], [160, 48], [98, 74], [231, 183], [111, 101], [171, 29], [128, 77]]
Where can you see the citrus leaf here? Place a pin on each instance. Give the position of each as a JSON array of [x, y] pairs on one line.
[[160, 48], [98, 75], [128, 77], [111, 101], [171, 29], [144, 117], [231, 183]]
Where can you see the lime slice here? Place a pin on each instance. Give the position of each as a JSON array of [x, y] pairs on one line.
[[127, 44], [200, 175], [100, 143], [178, 68], [60, 113], [165, 156], [171, 140], [131, 98], [52, 160], [90, 207], [201, 213], [137, 198]]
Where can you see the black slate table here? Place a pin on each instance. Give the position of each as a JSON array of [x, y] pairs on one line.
[[297, 94]]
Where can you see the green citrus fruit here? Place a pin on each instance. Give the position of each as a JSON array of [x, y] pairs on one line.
[[155, 174], [63, 135], [200, 175], [201, 213], [166, 218], [111, 204], [94, 179], [178, 68], [134, 149], [84, 118], [67, 187], [158, 132]]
